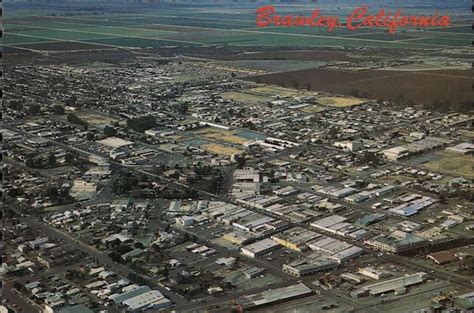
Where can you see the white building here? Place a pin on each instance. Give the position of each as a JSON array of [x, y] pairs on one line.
[[395, 153], [185, 220]]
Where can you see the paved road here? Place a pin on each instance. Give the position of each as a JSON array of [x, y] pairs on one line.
[[102, 258], [178, 300], [16, 301]]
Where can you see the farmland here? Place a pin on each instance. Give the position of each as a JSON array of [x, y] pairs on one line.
[[214, 26], [418, 86]]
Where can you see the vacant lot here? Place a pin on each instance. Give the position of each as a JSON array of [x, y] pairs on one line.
[[220, 149], [421, 87], [222, 135], [272, 91], [340, 102], [96, 119], [244, 97], [452, 164]]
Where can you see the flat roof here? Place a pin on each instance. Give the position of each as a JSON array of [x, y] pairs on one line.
[[261, 245], [115, 142]]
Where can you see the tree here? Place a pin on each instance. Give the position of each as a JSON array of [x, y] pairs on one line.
[[370, 158], [110, 131], [51, 159], [74, 119], [240, 161], [400, 100], [332, 133], [139, 245], [136, 193], [30, 162], [116, 257], [34, 109], [71, 101], [16, 105], [296, 84], [140, 124], [58, 109], [355, 92], [183, 108], [165, 272], [51, 192], [69, 157]]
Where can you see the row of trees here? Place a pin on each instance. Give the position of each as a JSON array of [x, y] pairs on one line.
[[446, 106], [140, 124], [74, 119]]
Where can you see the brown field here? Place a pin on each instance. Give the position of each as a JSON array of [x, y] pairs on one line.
[[11, 50], [222, 135], [452, 164], [302, 55], [421, 86], [96, 119], [220, 149]]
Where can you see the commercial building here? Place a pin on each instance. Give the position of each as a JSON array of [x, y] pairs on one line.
[[397, 284], [465, 148], [373, 273], [152, 299], [466, 301], [253, 272], [78, 308], [314, 263], [354, 145], [259, 248], [336, 225], [115, 142], [442, 257], [412, 205], [129, 294], [185, 221], [295, 238], [359, 197], [384, 190], [395, 153], [398, 241], [275, 296]]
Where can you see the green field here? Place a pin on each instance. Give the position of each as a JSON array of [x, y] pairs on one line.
[[136, 42], [210, 26], [11, 39], [452, 42]]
